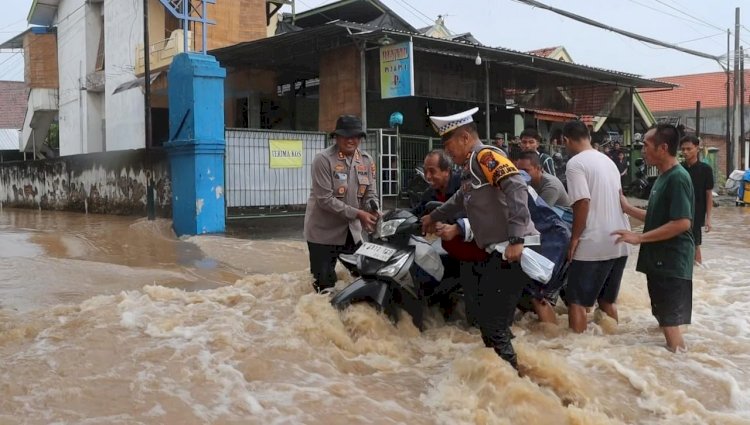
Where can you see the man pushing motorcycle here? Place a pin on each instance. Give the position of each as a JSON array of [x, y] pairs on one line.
[[493, 196]]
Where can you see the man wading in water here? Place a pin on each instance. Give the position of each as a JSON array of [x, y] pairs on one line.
[[667, 249]]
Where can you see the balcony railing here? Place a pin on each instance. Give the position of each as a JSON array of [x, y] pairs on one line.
[[162, 52]]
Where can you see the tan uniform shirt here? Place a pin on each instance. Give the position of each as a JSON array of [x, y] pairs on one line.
[[494, 196], [340, 186]]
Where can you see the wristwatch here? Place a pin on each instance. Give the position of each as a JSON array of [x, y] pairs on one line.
[[515, 240]]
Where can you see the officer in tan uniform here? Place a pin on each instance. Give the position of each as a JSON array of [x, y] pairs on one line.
[[343, 186], [494, 197]]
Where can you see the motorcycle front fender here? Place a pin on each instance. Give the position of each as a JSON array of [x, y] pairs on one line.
[[369, 290]]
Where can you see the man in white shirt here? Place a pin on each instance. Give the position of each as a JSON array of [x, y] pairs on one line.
[[597, 263]]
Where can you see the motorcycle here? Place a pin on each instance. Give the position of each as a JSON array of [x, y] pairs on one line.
[[642, 185], [399, 269]]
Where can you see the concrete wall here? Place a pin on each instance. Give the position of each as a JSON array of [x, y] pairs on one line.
[[339, 86], [106, 183], [71, 40], [40, 60], [713, 121], [125, 122]]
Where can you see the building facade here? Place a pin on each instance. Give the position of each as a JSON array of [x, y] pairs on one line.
[[85, 58]]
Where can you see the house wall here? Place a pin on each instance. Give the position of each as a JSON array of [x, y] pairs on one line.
[[125, 121], [73, 107], [40, 60], [236, 21], [104, 183], [713, 120], [339, 86]]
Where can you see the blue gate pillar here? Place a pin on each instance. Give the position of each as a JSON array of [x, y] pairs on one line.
[[196, 144]]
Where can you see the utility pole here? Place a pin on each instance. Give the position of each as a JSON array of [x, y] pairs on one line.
[[147, 111], [728, 138], [736, 136], [741, 142]]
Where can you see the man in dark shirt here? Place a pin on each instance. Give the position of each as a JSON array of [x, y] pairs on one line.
[[702, 177], [667, 248], [443, 180]]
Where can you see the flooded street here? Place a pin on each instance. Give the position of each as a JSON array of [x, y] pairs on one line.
[[112, 320]]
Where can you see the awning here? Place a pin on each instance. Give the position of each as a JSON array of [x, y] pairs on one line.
[[138, 82]]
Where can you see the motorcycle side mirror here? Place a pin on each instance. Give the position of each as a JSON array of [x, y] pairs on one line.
[[432, 206], [639, 162]]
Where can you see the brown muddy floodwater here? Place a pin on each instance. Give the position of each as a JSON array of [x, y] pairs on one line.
[[107, 320]]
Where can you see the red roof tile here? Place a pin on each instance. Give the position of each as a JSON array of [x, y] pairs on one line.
[[13, 99], [709, 89]]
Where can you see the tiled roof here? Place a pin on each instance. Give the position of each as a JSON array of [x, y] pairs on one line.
[[13, 99], [545, 52], [709, 88]]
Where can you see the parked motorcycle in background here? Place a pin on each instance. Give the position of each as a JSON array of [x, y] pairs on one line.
[[642, 185]]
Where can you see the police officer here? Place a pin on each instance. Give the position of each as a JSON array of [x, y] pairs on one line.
[[494, 197], [343, 188]]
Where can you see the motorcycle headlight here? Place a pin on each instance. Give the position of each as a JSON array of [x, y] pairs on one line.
[[388, 228], [392, 270]]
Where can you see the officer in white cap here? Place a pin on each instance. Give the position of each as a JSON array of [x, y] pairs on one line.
[[494, 197]]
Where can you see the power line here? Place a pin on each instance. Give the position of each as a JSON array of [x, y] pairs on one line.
[[688, 22], [597, 24], [708, 24], [417, 13]]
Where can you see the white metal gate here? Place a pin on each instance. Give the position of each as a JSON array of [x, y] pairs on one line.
[[254, 188]]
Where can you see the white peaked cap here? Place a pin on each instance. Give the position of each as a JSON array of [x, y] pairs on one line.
[[445, 124]]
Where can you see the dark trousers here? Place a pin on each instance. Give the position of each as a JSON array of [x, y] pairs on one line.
[[492, 289], [323, 261]]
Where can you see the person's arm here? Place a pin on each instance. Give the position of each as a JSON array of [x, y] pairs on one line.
[[580, 196], [709, 197], [322, 190], [635, 212], [580, 216], [445, 212], [372, 190], [709, 208], [450, 208], [664, 232]]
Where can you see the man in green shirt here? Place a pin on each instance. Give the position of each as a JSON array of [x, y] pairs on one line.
[[667, 247]]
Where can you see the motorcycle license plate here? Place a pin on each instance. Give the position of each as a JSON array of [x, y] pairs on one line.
[[378, 252]]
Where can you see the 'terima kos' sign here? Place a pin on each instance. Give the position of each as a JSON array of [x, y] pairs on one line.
[[285, 153], [397, 70]]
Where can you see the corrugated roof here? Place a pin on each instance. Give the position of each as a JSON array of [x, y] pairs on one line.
[[9, 139], [708, 88], [308, 43]]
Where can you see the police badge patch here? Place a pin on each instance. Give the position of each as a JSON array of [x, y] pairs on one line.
[[495, 166]]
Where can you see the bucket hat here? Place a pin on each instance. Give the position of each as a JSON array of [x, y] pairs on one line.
[[348, 126]]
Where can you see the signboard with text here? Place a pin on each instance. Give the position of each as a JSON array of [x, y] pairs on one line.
[[397, 70], [285, 153]]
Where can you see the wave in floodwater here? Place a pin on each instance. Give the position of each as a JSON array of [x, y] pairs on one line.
[[263, 349]]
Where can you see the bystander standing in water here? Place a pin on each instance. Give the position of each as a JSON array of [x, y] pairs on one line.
[[343, 187], [597, 263], [667, 249], [702, 177]]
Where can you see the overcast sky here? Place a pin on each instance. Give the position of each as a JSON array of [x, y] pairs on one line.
[[695, 24]]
